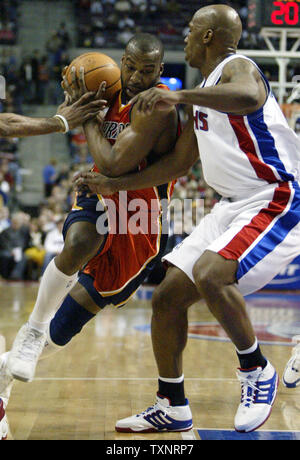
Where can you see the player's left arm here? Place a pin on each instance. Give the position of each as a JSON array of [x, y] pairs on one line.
[[168, 167], [156, 132]]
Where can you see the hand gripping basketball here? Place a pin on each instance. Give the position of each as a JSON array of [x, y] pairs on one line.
[[88, 71]]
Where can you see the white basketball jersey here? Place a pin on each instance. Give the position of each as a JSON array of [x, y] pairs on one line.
[[240, 153]]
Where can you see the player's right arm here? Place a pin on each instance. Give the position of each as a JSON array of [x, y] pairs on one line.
[[169, 167], [146, 133], [14, 125]]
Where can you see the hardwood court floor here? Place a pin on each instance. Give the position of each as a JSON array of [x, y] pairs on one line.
[[108, 371]]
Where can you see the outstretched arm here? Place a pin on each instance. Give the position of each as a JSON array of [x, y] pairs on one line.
[[240, 91], [169, 167], [14, 125]]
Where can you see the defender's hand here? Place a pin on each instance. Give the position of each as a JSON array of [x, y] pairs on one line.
[[84, 109], [96, 183], [155, 98]]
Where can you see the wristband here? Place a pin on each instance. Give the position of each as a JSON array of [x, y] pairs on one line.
[[66, 124]]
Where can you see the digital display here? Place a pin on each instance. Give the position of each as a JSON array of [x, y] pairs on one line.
[[273, 13]]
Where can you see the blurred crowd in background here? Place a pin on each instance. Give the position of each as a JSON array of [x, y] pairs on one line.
[[8, 22], [28, 242], [113, 22]]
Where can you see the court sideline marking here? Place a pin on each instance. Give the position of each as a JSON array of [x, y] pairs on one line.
[[132, 378]]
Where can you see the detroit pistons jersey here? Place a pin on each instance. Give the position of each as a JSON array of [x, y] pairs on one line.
[[241, 153]]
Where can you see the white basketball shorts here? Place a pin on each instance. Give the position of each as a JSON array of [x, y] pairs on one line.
[[260, 231]]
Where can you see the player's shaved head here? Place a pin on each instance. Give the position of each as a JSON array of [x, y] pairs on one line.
[[146, 44], [223, 20], [141, 65], [215, 31]]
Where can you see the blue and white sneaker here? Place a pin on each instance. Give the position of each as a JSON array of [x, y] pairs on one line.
[[160, 417], [259, 388], [3, 422], [291, 375]]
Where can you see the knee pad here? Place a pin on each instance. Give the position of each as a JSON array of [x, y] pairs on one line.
[[68, 321]]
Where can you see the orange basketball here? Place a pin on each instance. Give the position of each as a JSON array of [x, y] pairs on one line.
[[98, 67]]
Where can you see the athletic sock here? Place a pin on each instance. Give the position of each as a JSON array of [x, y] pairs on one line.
[[252, 357], [173, 389], [54, 287]]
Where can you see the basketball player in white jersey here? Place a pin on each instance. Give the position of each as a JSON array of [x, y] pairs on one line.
[[251, 157]]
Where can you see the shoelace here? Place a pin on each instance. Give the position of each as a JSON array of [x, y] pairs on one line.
[[247, 398], [30, 346], [156, 407]]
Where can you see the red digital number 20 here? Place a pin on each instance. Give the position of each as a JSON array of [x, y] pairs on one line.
[[290, 12]]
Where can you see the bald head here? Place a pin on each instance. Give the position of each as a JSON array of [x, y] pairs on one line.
[[214, 33], [224, 22]]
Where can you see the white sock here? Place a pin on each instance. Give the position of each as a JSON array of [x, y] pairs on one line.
[[249, 350], [54, 287], [175, 380]]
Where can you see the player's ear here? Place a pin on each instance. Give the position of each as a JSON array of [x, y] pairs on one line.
[[162, 66], [208, 36]]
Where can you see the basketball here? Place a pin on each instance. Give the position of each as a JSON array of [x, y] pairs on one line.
[[98, 67]]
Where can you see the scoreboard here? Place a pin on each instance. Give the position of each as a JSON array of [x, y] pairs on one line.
[[273, 13]]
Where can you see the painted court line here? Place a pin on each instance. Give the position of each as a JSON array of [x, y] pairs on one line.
[[130, 378], [189, 435]]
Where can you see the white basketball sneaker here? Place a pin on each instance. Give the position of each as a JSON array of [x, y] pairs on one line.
[[291, 375], [160, 417], [25, 352], [259, 387], [3, 422]]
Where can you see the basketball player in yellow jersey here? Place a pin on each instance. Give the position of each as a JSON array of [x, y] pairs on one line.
[[68, 116]]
